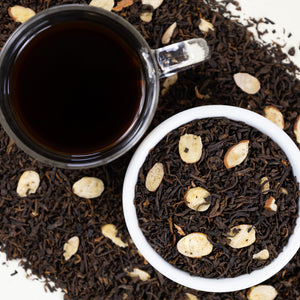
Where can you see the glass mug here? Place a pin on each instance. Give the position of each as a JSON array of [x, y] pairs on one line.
[[94, 97]]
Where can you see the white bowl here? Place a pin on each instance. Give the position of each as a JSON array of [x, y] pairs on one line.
[[196, 282]]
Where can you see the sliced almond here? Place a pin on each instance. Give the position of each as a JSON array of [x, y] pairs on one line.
[[110, 231], [28, 183], [247, 83], [71, 247], [236, 154], [283, 191], [241, 236], [179, 230], [270, 204], [189, 296], [190, 148], [20, 14], [297, 129], [146, 16], [194, 245], [264, 182], [168, 33], [105, 4], [88, 187], [195, 198], [143, 275], [273, 114], [262, 292], [154, 3], [154, 177], [262, 255], [171, 80], [205, 26]]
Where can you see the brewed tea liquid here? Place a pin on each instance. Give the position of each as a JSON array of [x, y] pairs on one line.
[[76, 88]]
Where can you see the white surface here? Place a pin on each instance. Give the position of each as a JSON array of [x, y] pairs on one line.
[[181, 277], [285, 14]]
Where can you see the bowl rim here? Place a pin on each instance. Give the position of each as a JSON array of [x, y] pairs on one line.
[[184, 278]]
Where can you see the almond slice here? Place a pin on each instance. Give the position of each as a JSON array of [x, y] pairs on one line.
[[88, 187], [20, 14], [28, 183], [283, 191], [262, 255], [247, 83], [189, 296], [264, 182], [146, 16], [270, 204], [154, 177], [236, 154], [262, 292], [171, 80], [297, 129], [241, 236], [105, 4], [205, 26], [154, 3], [195, 198], [71, 247], [143, 275], [168, 33], [273, 114], [110, 231], [194, 245], [190, 148]]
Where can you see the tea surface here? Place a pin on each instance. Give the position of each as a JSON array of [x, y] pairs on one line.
[[76, 87]]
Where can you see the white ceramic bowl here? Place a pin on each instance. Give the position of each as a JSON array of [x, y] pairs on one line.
[[195, 282]]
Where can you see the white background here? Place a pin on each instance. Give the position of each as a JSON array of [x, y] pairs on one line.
[[285, 15]]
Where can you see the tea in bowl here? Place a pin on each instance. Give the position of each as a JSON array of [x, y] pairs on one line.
[[211, 198]]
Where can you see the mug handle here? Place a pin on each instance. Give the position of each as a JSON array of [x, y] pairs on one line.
[[180, 56]]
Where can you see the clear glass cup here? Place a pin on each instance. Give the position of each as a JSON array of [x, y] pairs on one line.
[[156, 64]]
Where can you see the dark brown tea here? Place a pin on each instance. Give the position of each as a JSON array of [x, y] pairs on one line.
[[76, 87]]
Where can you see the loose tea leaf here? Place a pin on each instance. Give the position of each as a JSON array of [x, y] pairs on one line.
[[154, 3], [122, 4]]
